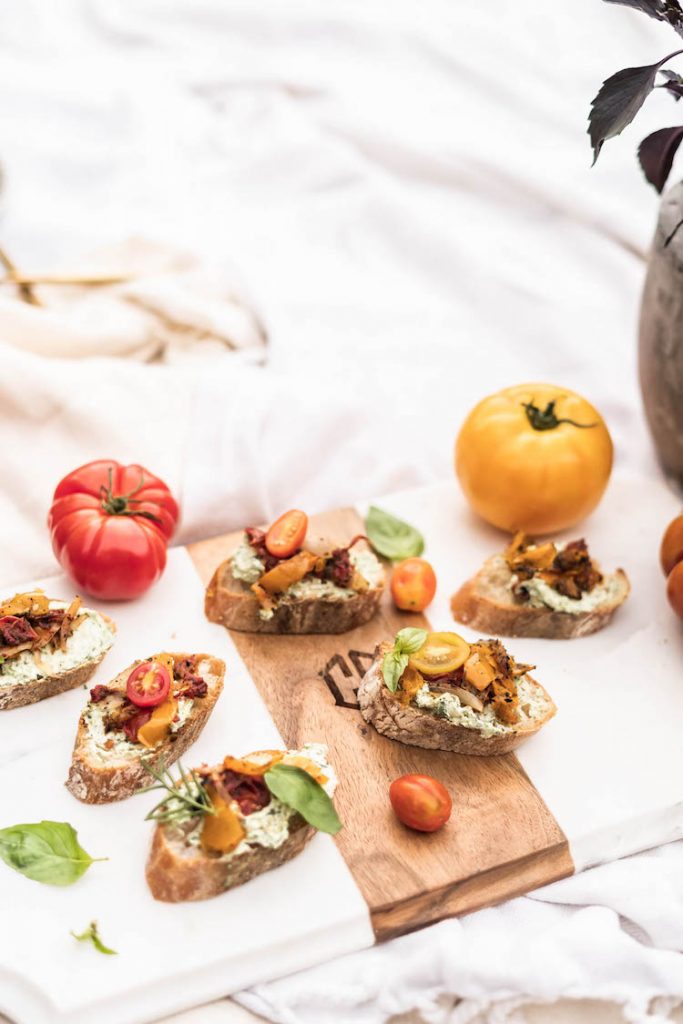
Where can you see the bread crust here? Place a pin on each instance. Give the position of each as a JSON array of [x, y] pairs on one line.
[[176, 873], [19, 695], [231, 603], [96, 783], [485, 603], [417, 728]]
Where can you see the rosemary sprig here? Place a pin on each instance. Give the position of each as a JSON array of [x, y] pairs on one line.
[[186, 797]]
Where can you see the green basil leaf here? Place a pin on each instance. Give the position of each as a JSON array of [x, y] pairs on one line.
[[392, 537], [47, 851], [299, 790], [410, 640], [91, 934], [393, 666]]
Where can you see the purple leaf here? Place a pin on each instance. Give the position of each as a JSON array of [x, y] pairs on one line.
[[656, 154], [618, 101], [662, 10], [673, 84]]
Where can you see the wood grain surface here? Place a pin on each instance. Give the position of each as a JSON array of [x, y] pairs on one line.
[[501, 841]]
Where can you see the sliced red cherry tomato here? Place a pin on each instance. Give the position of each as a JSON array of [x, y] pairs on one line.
[[420, 802], [148, 685], [287, 533]]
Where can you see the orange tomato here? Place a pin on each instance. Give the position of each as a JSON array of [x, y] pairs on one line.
[[420, 802], [674, 589], [287, 533], [413, 585], [671, 551], [534, 457]]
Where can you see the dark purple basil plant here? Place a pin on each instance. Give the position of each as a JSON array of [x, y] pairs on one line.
[[622, 96]]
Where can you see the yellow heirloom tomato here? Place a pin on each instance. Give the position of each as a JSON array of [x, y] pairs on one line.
[[533, 457]]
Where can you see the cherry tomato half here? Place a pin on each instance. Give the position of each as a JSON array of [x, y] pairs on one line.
[[674, 589], [671, 550], [287, 533], [413, 585], [441, 653], [148, 685], [420, 802]]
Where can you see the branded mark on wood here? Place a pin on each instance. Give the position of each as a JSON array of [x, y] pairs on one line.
[[342, 687]]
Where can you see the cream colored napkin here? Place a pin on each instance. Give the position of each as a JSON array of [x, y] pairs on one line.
[[173, 302]]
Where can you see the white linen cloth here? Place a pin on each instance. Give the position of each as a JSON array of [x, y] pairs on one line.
[[407, 195], [170, 302]]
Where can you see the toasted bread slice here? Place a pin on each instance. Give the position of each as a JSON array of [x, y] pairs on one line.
[[231, 603], [52, 671], [99, 776], [486, 603], [418, 728], [177, 872]]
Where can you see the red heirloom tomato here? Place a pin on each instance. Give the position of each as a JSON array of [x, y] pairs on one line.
[[420, 802], [671, 550], [148, 685], [287, 534], [110, 526], [413, 585]]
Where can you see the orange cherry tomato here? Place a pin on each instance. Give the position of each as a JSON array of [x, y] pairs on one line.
[[413, 585], [148, 685], [674, 589], [420, 802], [287, 533], [671, 550]]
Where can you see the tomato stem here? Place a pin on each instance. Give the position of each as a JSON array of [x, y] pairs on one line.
[[119, 504], [545, 419]]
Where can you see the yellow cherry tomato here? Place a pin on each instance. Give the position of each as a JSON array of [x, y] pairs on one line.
[[533, 457], [439, 654]]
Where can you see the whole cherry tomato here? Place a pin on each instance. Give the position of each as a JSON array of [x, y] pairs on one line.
[[148, 685], [671, 550], [110, 526], [534, 457], [674, 589], [287, 534], [420, 802], [413, 585]]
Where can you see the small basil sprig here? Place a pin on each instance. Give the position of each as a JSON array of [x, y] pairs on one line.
[[46, 851], [91, 934], [392, 537], [299, 790], [408, 641]]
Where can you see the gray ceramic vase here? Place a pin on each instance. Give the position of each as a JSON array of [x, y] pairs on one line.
[[660, 351]]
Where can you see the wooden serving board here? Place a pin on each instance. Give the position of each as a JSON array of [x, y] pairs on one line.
[[502, 839]]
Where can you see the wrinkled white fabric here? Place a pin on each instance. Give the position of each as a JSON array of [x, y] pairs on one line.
[[167, 302], [406, 195], [611, 933]]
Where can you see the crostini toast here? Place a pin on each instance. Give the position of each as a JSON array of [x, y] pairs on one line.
[[116, 737], [478, 701], [48, 646], [541, 590]]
